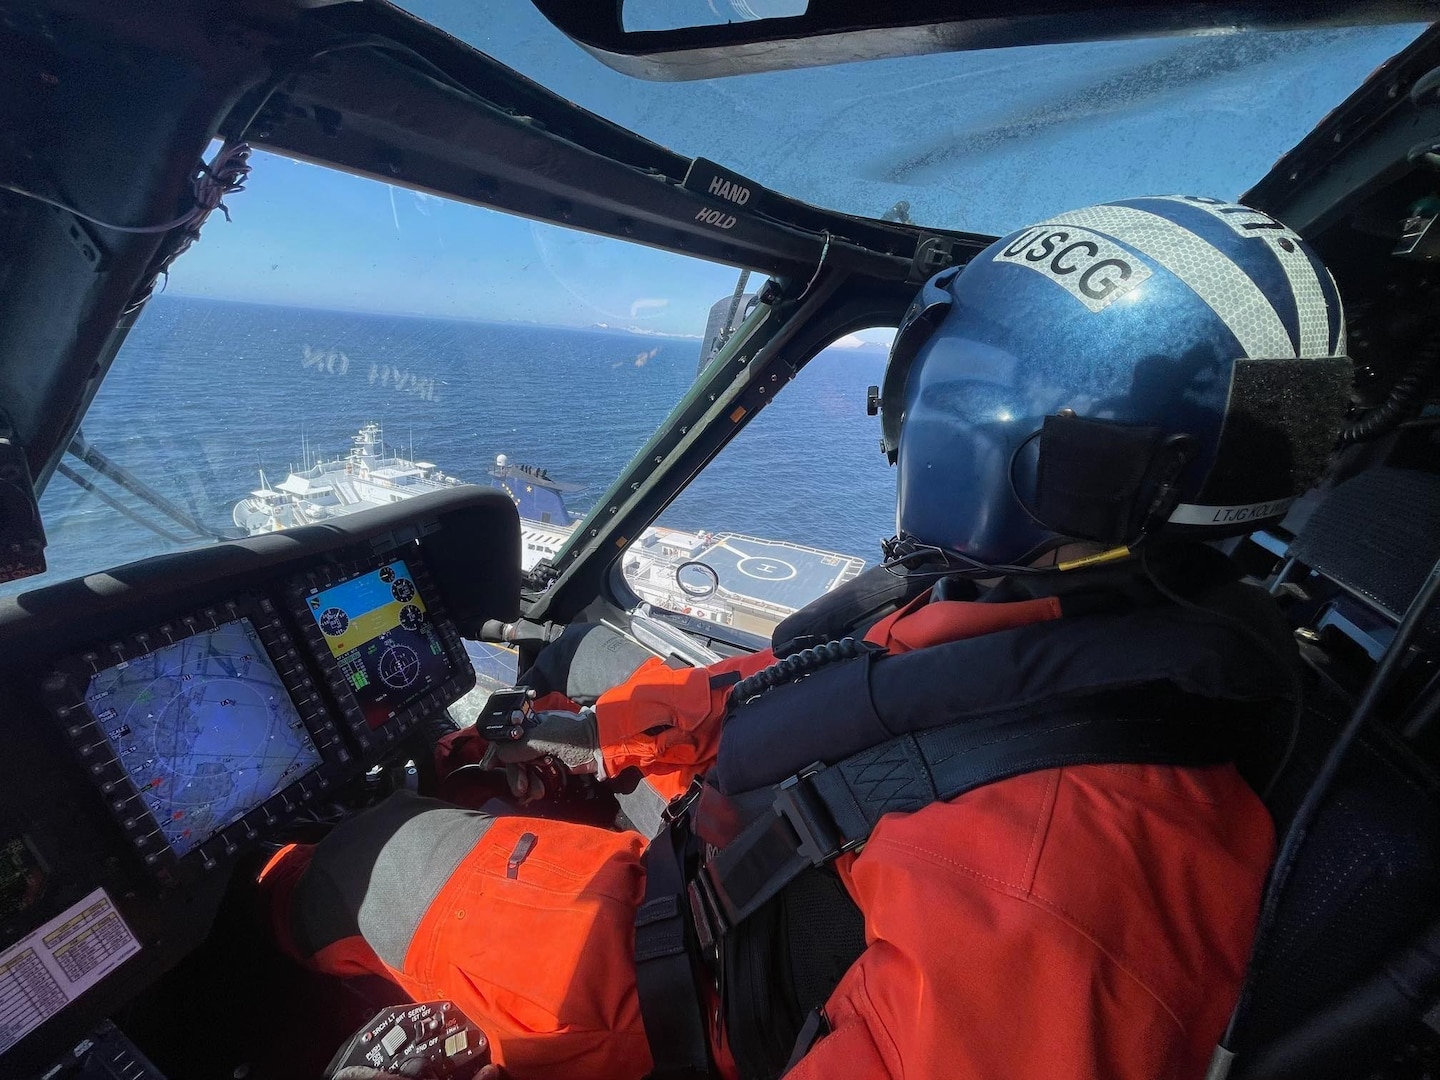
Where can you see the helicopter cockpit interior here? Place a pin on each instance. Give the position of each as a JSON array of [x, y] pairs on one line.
[[189, 687]]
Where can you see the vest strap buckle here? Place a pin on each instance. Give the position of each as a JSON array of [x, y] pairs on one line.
[[797, 802], [679, 806]]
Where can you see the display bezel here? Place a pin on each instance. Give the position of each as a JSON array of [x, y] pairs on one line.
[[337, 572], [64, 694]]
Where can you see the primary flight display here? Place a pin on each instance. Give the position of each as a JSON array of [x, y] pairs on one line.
[[379, 631]]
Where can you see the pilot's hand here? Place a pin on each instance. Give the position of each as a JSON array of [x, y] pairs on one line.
[[572, 739]]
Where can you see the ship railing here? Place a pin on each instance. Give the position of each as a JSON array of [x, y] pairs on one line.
[[680, 604], [722, 599], [764, 607], [413, 482], [734, 596]]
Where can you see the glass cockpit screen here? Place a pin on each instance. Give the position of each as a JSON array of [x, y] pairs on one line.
[[205, 730], [379, 631]]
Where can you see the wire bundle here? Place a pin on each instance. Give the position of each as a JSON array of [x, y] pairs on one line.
[[225, 175]]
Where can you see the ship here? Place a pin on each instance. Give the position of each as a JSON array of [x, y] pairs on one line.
[[367, 477], [730, 578]]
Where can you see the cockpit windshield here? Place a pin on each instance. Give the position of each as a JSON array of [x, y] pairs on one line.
[[970, 140], [343, 343]]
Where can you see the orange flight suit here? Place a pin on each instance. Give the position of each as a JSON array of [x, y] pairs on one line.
[[1090, 921]]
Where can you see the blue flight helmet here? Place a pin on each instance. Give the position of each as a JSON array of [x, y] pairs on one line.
[[1153, 367]]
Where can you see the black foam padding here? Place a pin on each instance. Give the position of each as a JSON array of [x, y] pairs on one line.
[[785, 961], [1280, 425], [1090, 476], [825, 932], [1365, 879], [1378, 535], [470, 537]]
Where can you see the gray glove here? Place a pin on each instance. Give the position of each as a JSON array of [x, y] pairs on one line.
[[570, 738]]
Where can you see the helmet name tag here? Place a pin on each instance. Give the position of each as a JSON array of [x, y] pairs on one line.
[[1090, 267], [1191, 514]]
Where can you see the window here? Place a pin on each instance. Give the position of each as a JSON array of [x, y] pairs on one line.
[[796, 505], [343, 344], [990, 140]]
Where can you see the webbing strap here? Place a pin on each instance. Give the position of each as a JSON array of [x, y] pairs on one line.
[[664, 974], [644, 807], [815, 1028], [824, 811]]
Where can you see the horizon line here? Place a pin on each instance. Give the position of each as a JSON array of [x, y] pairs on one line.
[[598, 328]]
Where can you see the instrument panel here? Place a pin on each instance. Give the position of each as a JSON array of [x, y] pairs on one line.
[[167, 718], [381, 635]]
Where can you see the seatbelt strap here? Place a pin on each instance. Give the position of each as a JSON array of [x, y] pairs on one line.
[[644, 808], [664, 971], [822, 812], [815, 1028]]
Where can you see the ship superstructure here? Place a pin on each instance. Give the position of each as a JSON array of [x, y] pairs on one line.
[[736, 580], [366, 477]]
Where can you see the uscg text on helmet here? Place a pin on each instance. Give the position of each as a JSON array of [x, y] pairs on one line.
[[1091, 268]]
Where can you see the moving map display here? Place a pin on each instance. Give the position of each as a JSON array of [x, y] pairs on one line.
[[204, 728], [378, 629]]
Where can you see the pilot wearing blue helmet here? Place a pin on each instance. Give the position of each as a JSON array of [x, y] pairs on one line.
[[991, 810]]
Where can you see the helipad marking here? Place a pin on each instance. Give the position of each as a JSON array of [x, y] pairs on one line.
[[766, 569]]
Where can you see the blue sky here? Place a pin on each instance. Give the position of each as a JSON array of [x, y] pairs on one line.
[[310, 236], [987, 141]]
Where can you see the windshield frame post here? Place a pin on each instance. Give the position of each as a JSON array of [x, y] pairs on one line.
[[742, 379]]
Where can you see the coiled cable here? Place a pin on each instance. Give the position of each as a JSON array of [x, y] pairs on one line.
[[902, 549], [1406, 395], [799, 664]]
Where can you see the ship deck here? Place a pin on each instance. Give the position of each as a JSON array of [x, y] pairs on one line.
[[495, 665], [776, 571]]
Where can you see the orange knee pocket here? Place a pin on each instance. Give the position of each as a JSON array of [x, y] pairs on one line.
[[544, 947]]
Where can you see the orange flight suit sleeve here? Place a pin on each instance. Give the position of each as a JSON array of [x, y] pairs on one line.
[[1066, 925], [666, 721]]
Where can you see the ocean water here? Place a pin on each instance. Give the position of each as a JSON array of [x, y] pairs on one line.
[[207, 393]]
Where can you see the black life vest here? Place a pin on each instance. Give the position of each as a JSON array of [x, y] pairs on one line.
[[739, 889]]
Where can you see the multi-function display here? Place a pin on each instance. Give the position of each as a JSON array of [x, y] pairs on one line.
[[380, 634], [204, 729], [202, 734]]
